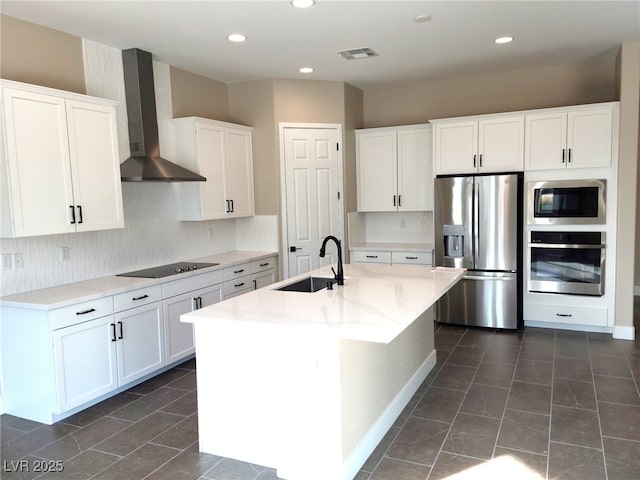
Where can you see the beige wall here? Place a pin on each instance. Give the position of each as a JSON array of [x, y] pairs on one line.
[[491, 92], [34, 54], [629, 83], [308, 101], [194, 95]]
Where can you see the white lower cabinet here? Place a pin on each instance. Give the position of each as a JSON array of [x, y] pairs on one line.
[[566, 314], [263, 272], [370, 256], [391, 257], [79, 377], [139, 342], [54, 362], [179, 339]]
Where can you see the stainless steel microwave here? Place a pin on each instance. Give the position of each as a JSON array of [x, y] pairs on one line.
[[566, 202]]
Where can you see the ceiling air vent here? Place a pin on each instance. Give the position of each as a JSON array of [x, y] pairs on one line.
[[357, 53]]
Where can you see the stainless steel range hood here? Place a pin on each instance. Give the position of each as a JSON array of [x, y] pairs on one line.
[[145, 163]]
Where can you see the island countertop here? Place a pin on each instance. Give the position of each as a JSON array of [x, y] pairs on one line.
[[375, 304]]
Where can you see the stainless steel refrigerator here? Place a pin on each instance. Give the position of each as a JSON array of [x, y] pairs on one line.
[[478, 226]]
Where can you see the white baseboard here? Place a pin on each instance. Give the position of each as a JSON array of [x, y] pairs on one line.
[[624, 333], [372, 438]]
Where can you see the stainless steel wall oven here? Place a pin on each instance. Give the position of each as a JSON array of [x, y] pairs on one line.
[[566, 262], [566, 202]]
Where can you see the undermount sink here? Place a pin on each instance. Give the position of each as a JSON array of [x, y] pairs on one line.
[[308, 284]]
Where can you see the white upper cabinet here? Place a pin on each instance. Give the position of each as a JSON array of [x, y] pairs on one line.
[[571, 138], [60, 167], [221, 152], [394, 169], [479, 144]]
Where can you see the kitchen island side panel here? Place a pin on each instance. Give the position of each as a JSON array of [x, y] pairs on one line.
[[308, 404], [377, 382]]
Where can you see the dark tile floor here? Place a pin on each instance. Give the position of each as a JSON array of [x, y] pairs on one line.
[[537, 404]]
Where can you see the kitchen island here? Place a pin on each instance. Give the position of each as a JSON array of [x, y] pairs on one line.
[[309, 383]]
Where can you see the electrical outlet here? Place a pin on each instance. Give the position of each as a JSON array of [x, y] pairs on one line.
[[6, 261], [17, 260], [64, 254]]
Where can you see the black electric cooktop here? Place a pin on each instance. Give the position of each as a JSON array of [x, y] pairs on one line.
[[167, 270]]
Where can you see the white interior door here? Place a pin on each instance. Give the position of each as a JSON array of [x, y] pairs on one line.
[[312, 196]]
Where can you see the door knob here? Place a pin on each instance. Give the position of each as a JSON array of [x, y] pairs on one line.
[[293, 249]]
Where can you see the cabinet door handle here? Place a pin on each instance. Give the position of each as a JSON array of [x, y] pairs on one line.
[[372, 256], [79, 213], [232, 208], [563, 315], [255, 284], [411, 258], [199, 302], [227, 206], [480, 160], [563, 155], [140, 298], [121, 336], [399, 200], [239, 284], [239, 271], [194, 301], [569, 156], [73, 214], [113, 331], [474, 160], [394, 200], [264, 264], [84, 312]]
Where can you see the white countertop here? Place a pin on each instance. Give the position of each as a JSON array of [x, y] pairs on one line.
[[376, 303], [72, 293], [396, 247]]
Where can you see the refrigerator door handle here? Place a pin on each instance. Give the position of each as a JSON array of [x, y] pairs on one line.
[[476, 223]]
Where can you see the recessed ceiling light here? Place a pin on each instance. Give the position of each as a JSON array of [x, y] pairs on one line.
[[504, 40], [422, 18], [236, 37], [305, 70], [303, 3]]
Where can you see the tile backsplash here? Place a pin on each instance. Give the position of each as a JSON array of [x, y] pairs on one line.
[[391, 227]]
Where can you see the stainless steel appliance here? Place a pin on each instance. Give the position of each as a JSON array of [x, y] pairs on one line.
[[566, 202], [478, 226], [566, 262], [167, 270]]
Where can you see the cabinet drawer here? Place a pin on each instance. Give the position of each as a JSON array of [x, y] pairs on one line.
[[193, 282], [262, 265], [135, 298], [370, 256], [237, 271], [81, 312], [238, 285], [417, 258], [572, 315]]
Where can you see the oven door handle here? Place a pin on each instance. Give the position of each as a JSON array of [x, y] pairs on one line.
[[566, 245]]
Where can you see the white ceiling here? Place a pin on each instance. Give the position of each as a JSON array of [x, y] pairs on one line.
[[191, 35]]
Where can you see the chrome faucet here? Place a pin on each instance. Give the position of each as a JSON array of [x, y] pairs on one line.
[[340, 275]]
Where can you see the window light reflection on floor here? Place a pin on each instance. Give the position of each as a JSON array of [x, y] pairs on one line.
[[504, 467]]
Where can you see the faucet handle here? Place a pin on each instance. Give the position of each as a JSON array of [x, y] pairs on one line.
[[334, 272]]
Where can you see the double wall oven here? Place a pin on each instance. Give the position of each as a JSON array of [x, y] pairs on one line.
[[570, 261]]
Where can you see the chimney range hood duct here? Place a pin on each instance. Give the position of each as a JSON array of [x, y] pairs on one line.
[[145, 163]]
